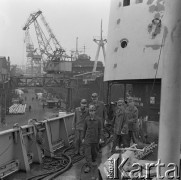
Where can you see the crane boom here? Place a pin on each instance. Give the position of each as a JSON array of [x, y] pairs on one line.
[[51, 34], [44, 44], [31, 19], [50, 50]]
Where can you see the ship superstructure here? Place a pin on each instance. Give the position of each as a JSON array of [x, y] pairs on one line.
[[135, 40]]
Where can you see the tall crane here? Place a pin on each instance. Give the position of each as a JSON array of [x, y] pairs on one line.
[[49, 47], [33, 59]]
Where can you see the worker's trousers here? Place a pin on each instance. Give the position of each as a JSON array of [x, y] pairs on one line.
[[120, 141], [78, 140], [90, 152], [134, 136]]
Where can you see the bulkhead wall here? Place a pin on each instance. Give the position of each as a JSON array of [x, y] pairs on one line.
[[135, 38]]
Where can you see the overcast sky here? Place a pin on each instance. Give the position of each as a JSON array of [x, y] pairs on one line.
[[67, 18]]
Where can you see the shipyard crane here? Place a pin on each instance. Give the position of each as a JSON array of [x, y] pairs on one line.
[[33, 64], [49, 47]]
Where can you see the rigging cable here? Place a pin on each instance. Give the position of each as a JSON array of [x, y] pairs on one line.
[[158, 62]]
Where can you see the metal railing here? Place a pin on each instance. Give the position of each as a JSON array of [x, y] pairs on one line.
[[27, 144]]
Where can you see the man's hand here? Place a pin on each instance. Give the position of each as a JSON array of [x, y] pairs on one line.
[[105, 122], [83, 140], [73, 130], [124, 129], [117, 148], [101, 141], [131, 120]]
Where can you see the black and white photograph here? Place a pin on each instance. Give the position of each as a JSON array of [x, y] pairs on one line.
[[90, 89]]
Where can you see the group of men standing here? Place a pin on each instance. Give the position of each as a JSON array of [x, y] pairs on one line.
[[88, 124], [89, 121]]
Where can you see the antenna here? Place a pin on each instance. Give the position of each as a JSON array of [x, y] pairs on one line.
[[75, 53], [84, 48], [101, 44], [77, 46]]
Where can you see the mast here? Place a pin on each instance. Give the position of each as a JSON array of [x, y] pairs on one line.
[[77, 52], [101, 44], [170, 113]]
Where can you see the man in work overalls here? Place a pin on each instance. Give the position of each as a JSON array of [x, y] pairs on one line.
[[78, 124], [91, 138], [132, 120], [120, 125], [100, 112], [100, 108]]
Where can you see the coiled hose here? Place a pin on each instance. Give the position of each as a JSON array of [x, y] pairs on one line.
[[59, 172], [54, 172], [70, 152]]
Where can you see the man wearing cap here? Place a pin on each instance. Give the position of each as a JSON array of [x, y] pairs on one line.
[[78, 124], [100, 108], [101, 112], [120, 125], [91, 137], [132, 119]]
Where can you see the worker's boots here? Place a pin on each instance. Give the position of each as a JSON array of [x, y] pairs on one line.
[[94, 170], [87, 169]]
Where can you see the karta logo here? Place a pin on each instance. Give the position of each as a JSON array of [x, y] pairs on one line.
[[113, 170]]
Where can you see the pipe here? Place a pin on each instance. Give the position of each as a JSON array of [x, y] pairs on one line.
[[170, 117]]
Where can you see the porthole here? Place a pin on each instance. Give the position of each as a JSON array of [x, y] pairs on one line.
[[124, 43]]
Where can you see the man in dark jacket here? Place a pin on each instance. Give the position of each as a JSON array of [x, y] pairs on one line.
[[101, 113], [120, 125], [100, 108], [132, 120], [91, 137], [78, 124]]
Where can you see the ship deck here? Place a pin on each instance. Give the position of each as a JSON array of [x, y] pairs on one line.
[[76, 172]]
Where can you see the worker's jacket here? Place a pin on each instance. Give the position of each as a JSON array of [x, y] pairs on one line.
[[79, 118], [119, 121], [132, 118], [92, 130], [101, 112]]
